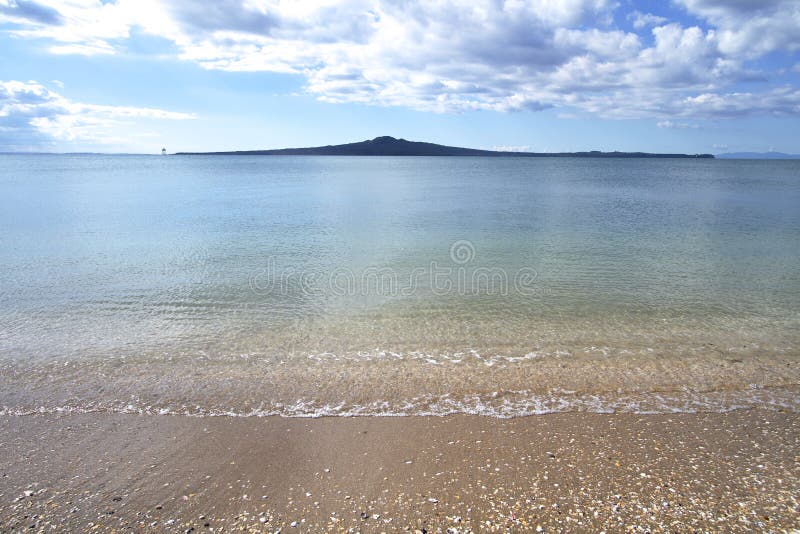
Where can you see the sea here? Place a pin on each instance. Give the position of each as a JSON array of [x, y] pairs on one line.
[[396, 286]]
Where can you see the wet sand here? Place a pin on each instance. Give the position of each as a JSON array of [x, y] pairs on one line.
[[573, 471]]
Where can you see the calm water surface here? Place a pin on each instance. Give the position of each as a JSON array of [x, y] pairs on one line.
[[327, 285]]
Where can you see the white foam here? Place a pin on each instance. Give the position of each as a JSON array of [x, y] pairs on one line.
[[504, 405], [434, 359]]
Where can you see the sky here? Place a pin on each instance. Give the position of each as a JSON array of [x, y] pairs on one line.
[[694, 76]]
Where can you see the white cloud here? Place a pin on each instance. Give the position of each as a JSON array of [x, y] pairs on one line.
[[448, 56], [511, 148], [676, 125], [783, 101], [642, 20], [32, 116], [751, 27]]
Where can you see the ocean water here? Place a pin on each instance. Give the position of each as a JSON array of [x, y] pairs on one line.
[[307, 286]]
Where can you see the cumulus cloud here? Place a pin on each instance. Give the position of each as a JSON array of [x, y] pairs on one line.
[[751, 27], [31, 116], [448, 56]]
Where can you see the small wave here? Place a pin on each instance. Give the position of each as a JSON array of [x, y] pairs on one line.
[[457, 357], [503, 405]]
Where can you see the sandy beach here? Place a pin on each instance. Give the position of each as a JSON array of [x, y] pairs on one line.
[[562, 472]]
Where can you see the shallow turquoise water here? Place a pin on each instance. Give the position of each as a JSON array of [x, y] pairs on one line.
[[325, 263]]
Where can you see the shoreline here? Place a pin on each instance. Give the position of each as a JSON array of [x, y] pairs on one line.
[[734, 471], [404, 384]]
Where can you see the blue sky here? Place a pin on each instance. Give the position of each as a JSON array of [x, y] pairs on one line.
[[542, 75]]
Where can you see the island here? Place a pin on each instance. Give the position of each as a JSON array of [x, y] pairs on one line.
[[390, 146]]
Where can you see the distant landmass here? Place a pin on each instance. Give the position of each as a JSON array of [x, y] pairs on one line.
[[758, 155], [389, 146]]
